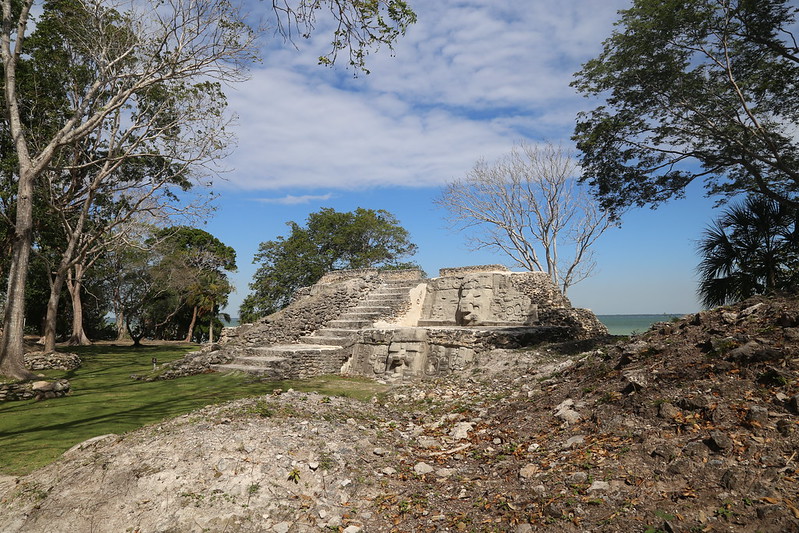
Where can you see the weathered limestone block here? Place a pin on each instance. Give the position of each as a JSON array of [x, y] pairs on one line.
[[394, 354], [488, 298]]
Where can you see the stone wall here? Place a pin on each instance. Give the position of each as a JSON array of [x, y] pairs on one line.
[[408, 353], [52, 360], [325, 302], [581, 323], [471, 297], [337, 276], [39, 390], [460, 271]]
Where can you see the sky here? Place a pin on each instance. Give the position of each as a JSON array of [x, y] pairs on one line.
[[468, 81]]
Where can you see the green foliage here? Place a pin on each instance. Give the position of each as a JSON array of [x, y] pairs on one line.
[[175, 282], [294, 475], [330, 240], [693, 90], [752, 248], [360, 25]]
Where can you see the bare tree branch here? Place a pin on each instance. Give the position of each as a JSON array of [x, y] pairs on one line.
[[528, 206]]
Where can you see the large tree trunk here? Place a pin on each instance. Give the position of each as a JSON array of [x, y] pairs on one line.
[[122, 332], [52, 310], [78, 337], [191, 325], [12, 343]]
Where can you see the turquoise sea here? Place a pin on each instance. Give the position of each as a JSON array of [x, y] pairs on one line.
[[629, 324]]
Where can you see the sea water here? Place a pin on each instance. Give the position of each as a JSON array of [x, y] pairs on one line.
[[631, 324]]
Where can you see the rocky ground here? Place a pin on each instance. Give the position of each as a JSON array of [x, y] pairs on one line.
[[689, 427]]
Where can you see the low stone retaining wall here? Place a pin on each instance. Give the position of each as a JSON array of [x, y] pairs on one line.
[[39, 390], [192, 363], [52, 360]]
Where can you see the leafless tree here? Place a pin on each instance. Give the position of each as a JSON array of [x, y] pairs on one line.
[[529, 206]]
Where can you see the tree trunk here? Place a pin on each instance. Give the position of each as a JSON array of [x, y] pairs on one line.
[[211, 331], [52, 310], [122, 332], [191, 325], [78, 337], [119, 316], [12, 343]]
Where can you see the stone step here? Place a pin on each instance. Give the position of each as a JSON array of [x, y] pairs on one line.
[[329, 342], [349, 324], [286, 350], [336, 332], [357, 315], [404, 282], [256, 370], [381, 302], [269, 360], [379, 309], [387, 293]]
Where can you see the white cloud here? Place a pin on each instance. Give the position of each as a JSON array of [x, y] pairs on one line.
[[469, 79], [291, 199]]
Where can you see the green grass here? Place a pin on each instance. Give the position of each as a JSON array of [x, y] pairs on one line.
[[104, 399]]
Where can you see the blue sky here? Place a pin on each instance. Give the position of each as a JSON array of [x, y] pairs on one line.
[[469, 80]]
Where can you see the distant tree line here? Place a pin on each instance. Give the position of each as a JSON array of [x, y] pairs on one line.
[[168, 283]]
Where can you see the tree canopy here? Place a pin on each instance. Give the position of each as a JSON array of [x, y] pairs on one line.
[[99, 90], [706, 90], [752, 248], [330, 240], [172, 281]]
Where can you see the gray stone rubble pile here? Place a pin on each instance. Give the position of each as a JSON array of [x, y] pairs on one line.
[[52, 360], [39, 390]]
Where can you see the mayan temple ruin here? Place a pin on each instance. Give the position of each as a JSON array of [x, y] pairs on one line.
[[397, 325]]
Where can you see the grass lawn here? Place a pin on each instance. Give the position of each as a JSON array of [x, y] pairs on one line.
[[105, 400]]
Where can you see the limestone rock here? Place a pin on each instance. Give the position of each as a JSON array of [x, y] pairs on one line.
[[528, 471], [423, 468], [461, 430], [565, 412]]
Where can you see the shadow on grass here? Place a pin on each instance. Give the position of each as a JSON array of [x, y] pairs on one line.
[[104, 399]]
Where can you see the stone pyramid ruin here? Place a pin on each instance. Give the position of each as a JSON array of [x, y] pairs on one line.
[[397, 325]]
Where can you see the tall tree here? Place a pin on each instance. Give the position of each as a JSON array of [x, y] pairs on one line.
[[138, 51], [205, 260], [131, 54], [529, 207], [331, 240], [752, 248], [701, 90]]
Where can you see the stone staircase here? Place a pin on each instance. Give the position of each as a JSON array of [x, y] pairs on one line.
[[325, 347]]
